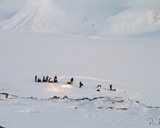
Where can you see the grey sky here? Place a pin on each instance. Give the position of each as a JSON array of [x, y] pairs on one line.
[[9, 7]]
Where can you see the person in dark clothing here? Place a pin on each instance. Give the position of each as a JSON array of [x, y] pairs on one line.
[[55, 79], [80, 84], [71, 81], [35, 78], [110, 87], [50, 80], [44, 79], [47, 78], [39, 80], [99, 86]]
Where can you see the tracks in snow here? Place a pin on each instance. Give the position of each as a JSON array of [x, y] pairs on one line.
[[136, 93], [90, 83]]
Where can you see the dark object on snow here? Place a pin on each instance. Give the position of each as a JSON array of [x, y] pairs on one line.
[[71, 81], [80, 84], [50, 80], [110, 87], [44, 79], [85, 98], [99, 86], [33, 98], [35, 78], [6, 94], [110, 108], [56, 97], [65, 97], [55, 79], [2, 127], [123, 109], [47, 78], [98, 90], [39, 80]]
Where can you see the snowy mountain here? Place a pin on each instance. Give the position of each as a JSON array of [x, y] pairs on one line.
[[49, 17], [131, 22], [39, 18]]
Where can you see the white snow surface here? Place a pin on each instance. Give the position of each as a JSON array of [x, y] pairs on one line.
[[131, 65], [112, 42]]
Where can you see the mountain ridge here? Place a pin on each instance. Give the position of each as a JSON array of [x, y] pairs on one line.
[[46, 17]]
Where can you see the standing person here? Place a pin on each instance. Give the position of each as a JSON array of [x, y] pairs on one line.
[[80, 84], [110, 86], [35, 78], [47, 78], [71, 80], [55, 79]]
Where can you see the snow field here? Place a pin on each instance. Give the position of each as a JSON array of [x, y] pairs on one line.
[[127, 64], [66, 112]]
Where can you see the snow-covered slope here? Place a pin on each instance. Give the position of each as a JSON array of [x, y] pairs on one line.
[[131, 22], [36, 18], [51, 17]]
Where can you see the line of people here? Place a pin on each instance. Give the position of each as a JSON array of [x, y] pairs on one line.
[[46, 79]]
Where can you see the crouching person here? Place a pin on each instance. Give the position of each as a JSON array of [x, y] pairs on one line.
[[50, 80], [71, 81], [44, 79], [39, 80], [99, 88], [55, 79]]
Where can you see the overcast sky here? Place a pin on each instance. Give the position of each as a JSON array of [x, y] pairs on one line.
[[9, 7]]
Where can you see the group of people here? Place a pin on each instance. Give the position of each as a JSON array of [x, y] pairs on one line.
[[46, 79], [55, 80]]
